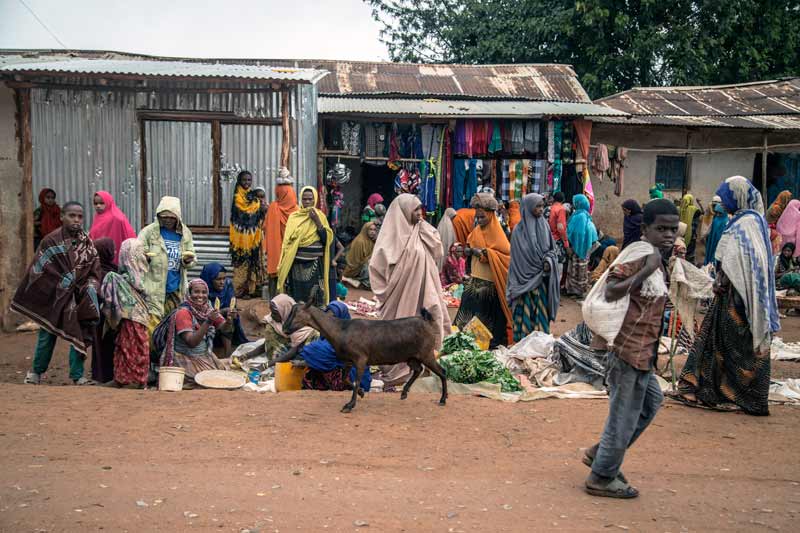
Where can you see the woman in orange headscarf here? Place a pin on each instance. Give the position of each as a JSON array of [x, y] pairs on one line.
[[275, 224], [490, 254], [464, 223]]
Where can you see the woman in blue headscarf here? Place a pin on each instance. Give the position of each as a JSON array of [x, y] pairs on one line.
[[220, 289], [730, 360], [324, 368], [715, 233], [582, 235]]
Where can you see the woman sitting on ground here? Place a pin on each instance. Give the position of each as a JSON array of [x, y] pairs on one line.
[[455, 266], [278, 345], [358, 255], [787, 270], [324, 368], [609, 256], [221, 296]]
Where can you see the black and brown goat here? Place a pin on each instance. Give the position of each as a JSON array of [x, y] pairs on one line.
[[363, 343]]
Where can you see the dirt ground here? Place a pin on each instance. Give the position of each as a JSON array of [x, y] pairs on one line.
[[91, 458]]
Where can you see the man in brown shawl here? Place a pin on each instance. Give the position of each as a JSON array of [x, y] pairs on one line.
[[59, 293]]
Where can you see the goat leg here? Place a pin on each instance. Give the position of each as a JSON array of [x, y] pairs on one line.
[[346, 378], [416, 367], [436, 368], [356, 387]]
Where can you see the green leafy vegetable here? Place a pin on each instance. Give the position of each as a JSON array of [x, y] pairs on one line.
[[458, 341], [473, 365]]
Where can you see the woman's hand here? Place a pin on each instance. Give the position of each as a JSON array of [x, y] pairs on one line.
[[546, 266]]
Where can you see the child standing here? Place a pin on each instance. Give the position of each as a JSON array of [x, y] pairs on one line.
[[634, 393]]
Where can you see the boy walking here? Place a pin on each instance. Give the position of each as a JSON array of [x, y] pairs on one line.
[[634, 393]]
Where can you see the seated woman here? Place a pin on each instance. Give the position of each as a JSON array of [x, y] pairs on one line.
[[189, 331], [454, 270], [356, 273], [279, 346], [325, 370], [787, 270], [609, 256], [221, 291]]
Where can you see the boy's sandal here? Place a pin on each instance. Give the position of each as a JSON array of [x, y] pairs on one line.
[[32, 378], [83, 381], [588, 460], [615, 489]]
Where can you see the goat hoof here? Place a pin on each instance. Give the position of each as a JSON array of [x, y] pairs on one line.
[[347, 409], [360, 393], [403, 396], [442, 403]]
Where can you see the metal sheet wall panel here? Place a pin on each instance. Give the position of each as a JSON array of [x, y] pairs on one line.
[[85, 141], [306, 143], [179, 163]]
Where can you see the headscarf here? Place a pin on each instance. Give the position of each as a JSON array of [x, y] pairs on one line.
[[493, 239], [50, 214], [778, 206], [123, 293], [789, 224], [245, 229], [359, 252], [609, 255], [320, 355], [745, 254], [687, 213], [464, 223], [106, 252], [655, 192], [514, 215], [284, 303], [374, 199], [581, 231], [172, 205], [714, 234], [111, 223], [200, 313], [209, 273], [632, 225], [300, 232], [787, 263], [403, 272], [459, 264], [532, 245], [275, 224], [447, 233]]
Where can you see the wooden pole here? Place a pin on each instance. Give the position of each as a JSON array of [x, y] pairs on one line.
[[26, 198], [286, 144], [216, 148], [764, 155]]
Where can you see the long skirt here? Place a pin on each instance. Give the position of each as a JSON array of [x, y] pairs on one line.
[[530, 313], [303, 277], [480, 299], [722, 366], [132, 356], [247, 277], [103, 352], [577, 277], [194, 364]]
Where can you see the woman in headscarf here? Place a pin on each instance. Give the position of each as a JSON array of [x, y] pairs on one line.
[[246, 237], [221, 295], [514, 214], [46, 217], [324, 368], [275, 224], [103, 344], [582, 234], [447, 233], [404, 274], [485, 292], [169, 245], [189, 333], [632, 224], [655, 192], [278, 345], [773, 215], [358, 255], [690, 215], [730, 361], [532, 290], [125, 312], [715, 232], [306, 253], [609, 255], [369, 213], [708, 218], [787, 270], [788, 225], [464, 223], [455, 266], [111, 222]]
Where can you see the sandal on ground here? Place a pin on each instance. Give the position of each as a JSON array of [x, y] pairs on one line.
[[83, 380], [588, 460], [614, 489], [32, 378]]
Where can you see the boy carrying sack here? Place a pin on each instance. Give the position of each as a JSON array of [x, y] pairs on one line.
[[625, 310]]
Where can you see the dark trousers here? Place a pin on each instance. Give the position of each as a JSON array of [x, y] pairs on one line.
[[634, 400]]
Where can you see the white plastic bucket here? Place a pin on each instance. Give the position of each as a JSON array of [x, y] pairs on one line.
[[170, 378]]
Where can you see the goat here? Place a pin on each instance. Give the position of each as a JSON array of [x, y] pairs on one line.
[[374, 342]]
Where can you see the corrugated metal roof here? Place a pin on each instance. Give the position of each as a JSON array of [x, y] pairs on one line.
[[164, 69], [458, 108], [771, 104], [545, 82]]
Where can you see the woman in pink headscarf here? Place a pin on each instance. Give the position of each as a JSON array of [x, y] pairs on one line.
[[368, 215], [110, 222], [789, 225]]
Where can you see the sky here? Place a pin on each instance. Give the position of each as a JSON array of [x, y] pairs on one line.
[[302, 29]]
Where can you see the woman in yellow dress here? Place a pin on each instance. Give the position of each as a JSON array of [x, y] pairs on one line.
[[246, 236]]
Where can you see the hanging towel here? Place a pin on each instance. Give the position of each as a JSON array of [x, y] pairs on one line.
[[459, 183], [472, 181], [496, 144], [551, 144], [506, 180], [538, 175], [531, 136], [517, 137]]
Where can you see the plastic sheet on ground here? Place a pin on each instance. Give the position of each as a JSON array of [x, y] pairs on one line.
[[784, 351], [492, 390], [576, 360], [785, 391]]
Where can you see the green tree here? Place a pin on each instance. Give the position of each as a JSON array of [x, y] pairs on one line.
[[612, 44]]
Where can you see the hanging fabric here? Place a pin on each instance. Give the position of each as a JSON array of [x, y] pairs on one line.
[[506, 180], [557, 164], [496, 143]]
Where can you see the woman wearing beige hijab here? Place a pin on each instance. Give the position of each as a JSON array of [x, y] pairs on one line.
[[404, 273]]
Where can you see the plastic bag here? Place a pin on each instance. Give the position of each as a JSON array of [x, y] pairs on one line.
[[482, 335], [536, 344]]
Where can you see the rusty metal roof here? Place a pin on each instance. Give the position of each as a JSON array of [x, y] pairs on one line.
[[771, 104], [541, 82]]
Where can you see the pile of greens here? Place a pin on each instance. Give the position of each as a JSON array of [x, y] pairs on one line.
[[465, 363]]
